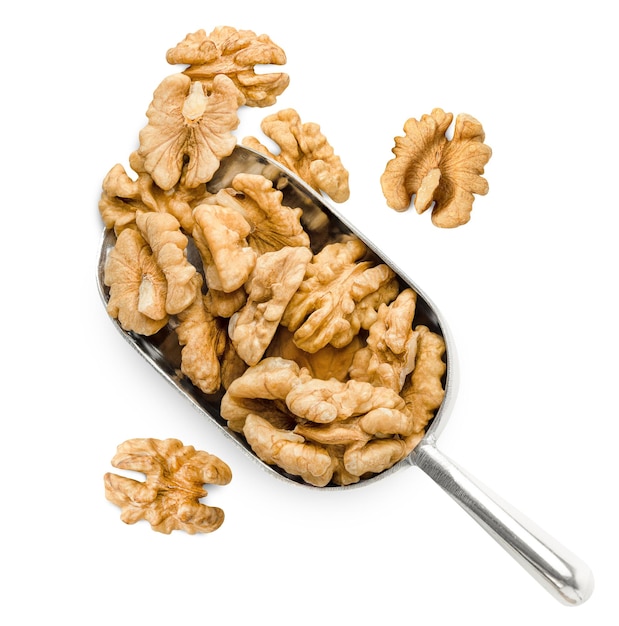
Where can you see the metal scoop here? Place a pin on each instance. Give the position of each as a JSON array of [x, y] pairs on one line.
[[561, 573]]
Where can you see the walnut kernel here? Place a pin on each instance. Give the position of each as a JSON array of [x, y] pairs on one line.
[[442, 174], [169, 498]]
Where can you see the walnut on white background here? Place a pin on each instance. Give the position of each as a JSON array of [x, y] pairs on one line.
[[441, 173], [305, 151], [234, 53], [189, 131], [169, 497]]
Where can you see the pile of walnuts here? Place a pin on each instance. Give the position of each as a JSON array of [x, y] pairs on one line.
[[314, 348]]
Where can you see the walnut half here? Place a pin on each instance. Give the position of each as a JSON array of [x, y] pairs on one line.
[[169, 498], [234, 53], [189, 130], [442, 174], [305, 151]]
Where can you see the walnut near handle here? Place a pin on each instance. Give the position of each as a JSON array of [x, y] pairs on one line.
[[560, 572]]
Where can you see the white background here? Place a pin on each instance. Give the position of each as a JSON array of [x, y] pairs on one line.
[[528, 289]]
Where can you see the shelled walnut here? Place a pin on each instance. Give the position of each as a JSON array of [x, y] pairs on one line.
[[202, 337], [169, 498], [273, 282], [391, 346], [189, 130], [234, 53], [442, 174], [305, 151], [339, 296], [138, 288], [272, 224], [123, 198]]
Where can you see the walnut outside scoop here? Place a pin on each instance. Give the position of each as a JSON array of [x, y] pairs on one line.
[[169, 498], [442, 174]]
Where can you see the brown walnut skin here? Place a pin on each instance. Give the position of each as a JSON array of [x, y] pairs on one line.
[[169, 498], [442, 174], [233, 53]]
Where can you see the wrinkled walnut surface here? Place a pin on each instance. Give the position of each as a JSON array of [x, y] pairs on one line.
[[138, 288], [169, 497], [339, 296], [188, 130], [391, 349], [234, 53], [305, 151], [270, 287], [202, 337], [272, 225], [442, 174]]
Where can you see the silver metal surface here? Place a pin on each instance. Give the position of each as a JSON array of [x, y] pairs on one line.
[[560, 572]]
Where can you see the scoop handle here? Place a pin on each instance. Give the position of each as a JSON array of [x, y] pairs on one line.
[[560, 572]]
